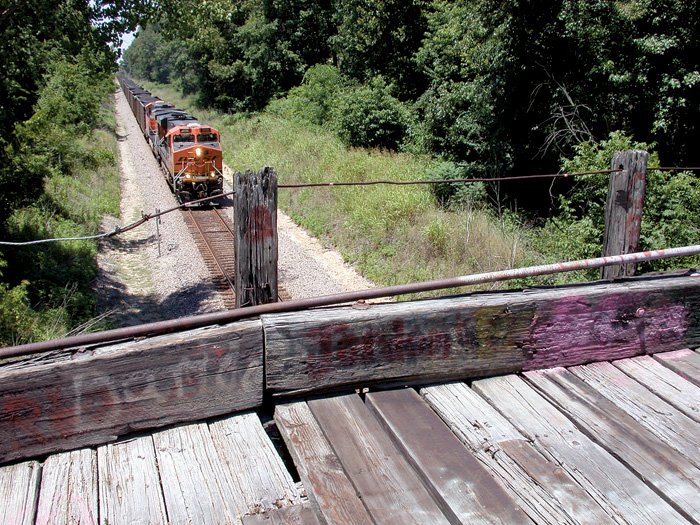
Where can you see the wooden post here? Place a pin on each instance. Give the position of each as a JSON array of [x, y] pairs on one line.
[[255, 220], [623, 211]]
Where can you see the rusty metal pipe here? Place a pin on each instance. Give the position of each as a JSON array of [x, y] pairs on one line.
[[188, 323]]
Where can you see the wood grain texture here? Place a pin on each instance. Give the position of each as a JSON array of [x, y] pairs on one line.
[[253, 464], [326, 482], [617, 489], [196, 486], [642, 451], [547, 493], [19, 489], [463, 488], [255, 208], [623, 210], [129, 488], [72, 399], [388, 486], [685, 363], [653, 413], [68, 492], [478, 335], [295, 515], [665, 383]]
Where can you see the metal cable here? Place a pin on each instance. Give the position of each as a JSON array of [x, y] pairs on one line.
[[147, 217], [228, 316]]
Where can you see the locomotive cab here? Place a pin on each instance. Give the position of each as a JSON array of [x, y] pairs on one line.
[[197, 162]]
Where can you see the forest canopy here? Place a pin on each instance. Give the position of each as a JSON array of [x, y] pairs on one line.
[[501, 86]]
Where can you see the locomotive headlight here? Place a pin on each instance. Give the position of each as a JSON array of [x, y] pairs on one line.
[[198, 152]]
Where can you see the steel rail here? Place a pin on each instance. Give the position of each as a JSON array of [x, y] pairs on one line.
[[187, 323], [199, 228]]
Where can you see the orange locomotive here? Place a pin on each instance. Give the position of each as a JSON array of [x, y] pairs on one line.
[[189, 152]]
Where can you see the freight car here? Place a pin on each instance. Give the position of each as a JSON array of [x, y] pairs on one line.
[[189, 152]]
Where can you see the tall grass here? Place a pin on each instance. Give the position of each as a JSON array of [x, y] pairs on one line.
[[391, 234]]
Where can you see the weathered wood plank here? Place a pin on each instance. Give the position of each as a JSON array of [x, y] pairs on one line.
[[660, 418], [196, 485], [656, 462], [253, 464], [386, 482], [19, 488], [463, 488], [324, 478], [665, 383], [295, 515], [617, 489], [129, 488], [545, 491], [68, 492], [77, 398], [685, 363], [255, 246], [623, 210], [479, 335]]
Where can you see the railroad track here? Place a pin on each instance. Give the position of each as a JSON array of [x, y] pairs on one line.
[[213, 233]]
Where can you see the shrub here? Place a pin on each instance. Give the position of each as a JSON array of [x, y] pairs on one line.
[[313, 99], [368, 115], [671, 207], [456, 194]]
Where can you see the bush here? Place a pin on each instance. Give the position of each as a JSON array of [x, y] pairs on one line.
[[368, 115], [671, 208], [71, 180], [313, 99], [458, 194]]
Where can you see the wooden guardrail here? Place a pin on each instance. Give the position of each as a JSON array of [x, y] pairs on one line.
[[87, 396]]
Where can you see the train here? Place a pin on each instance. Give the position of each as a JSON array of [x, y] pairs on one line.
[[188, 151]]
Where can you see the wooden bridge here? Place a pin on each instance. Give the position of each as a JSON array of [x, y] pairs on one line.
[[578, 404]]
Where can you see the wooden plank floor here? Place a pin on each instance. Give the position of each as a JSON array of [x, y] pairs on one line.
[[601, 443], [612, 442], [215, 472]]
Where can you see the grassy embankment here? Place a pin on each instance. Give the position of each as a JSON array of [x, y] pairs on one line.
[[390, 234], [52, 294]]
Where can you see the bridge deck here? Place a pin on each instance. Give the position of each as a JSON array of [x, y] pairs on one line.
[[609, 442]]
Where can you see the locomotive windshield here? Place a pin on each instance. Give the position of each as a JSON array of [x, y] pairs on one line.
[[183, 138], [207, 137]]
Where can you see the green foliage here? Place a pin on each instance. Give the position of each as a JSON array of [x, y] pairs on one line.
[[369, 116], [235, 56], [671, 208], [379, 39], [64, 179], [461, 112], [313, 100], [459, 194]]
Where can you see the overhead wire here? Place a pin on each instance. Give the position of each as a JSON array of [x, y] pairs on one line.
[[146, 217]]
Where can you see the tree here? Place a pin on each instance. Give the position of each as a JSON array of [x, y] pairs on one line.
[[379, 38]]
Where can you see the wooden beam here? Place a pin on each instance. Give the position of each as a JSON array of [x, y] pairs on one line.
[[74, 398], [255, 208], [623, 211], [478, 335]]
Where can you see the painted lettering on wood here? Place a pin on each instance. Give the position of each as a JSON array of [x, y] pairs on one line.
[[479, 335], [86, 398]]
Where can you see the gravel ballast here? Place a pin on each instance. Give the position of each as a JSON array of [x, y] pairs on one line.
[[143, 280]]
